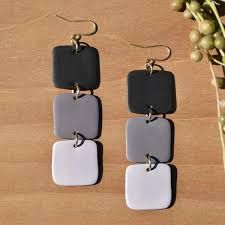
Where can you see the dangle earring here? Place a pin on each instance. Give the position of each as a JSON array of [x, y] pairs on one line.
[[150, 92], [76, 116]]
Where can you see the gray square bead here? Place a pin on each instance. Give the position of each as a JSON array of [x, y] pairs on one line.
[[76, 115], [153, 138]]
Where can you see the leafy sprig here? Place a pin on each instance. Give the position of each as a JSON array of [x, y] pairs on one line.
[[206, 38], [210, 33]]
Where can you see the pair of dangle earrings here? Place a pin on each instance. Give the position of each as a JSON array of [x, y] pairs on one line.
[[77, 120]]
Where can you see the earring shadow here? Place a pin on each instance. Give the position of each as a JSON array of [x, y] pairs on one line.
[[172, 127], [173, 180], [100, 117], [159, 66], [100, 161], [174, 97], [173, 185]]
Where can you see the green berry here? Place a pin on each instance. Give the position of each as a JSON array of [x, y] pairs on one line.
[[222, 105], [196, 56], [195, 6], [195, 36], [177, 5], [222, 120], [217, 34], [220, 82], [207, 42], [220, 42], [207, 27], [187, 14], [223, 129]]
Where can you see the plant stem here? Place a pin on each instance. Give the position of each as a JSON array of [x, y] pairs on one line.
[[214, 9], [222, 53], [216, 61], [210, 58], [218, 107], [200, 16], [193, 13]]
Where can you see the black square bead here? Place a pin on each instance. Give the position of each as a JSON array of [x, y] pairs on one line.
[[156, 91], [70, 67]]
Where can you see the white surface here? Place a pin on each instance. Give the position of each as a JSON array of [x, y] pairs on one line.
[[148, 190], [74, 166]]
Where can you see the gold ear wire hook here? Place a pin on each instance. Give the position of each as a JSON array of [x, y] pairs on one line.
[[76, 37], [95, 26], [156, 46], [151, 61]]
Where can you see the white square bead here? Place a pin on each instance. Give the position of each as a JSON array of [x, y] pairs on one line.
[[148, 190], [75, 166]]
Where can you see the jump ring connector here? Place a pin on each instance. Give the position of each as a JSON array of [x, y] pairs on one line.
[[76, 140], [75, 40], [149, 64], [76, 91], [149, 162], [149, 115]]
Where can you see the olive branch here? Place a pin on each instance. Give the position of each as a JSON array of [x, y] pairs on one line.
[[207, 38]]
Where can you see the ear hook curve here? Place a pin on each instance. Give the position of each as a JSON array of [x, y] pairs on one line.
[[169, 51], [75, 39], [149, 63], [94, 24]]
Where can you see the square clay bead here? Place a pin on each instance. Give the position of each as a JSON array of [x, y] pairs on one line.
[[153, 138], [148, 190], [70, 67], [76, 115], [75, 166], [156, 91]]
